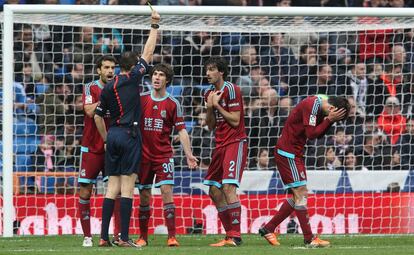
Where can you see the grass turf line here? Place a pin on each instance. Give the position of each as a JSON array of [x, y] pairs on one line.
[[198, 244]]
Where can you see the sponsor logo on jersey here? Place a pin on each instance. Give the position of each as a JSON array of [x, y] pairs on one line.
[[88, 99], [312, 120], [234, 104]]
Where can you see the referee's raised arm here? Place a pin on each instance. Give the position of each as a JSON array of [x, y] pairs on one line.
[[152, 38]]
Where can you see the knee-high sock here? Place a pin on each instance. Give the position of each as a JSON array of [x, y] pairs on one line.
[[125, 208], [234, 212], [117, 216], [85, 216], [224, 217], [303, 217], [285, 210], [169, 216], [144, 216], [107, 210]]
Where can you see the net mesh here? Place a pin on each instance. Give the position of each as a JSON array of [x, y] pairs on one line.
[[277, 61]]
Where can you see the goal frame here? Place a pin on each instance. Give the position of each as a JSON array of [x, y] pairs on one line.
[[8, 21]]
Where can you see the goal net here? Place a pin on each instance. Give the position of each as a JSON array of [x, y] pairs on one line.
[[360, 175]]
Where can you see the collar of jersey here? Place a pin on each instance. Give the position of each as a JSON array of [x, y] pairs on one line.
[[99, 84], [159, 99], [213, 88]]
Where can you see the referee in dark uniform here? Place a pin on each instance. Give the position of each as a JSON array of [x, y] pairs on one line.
[[121, 98]]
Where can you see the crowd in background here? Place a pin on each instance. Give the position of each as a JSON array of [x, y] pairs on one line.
[[372, 68]]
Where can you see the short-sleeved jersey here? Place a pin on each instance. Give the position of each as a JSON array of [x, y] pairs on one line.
[[91, 137], [307, 113], [231, 101], [159, 117], [122, 97]]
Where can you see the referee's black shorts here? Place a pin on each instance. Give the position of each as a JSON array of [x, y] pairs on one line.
[[123, 152]]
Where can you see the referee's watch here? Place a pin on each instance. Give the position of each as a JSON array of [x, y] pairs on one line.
[[155, 26]]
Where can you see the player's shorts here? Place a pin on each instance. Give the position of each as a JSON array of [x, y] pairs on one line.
[[91, 165], [123, 152], [227, 165], [163, 170], [291, 169]]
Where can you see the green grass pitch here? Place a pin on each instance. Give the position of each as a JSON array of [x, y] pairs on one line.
[[198, 244]]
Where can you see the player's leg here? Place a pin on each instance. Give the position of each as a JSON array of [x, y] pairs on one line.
[[117, 221], [144, 215], [127, 192], [144, 184], [164, 170], [91, 165], [300, 194], [288, 205], [114, 187], [233, 166], [84, 206], [169, 213]]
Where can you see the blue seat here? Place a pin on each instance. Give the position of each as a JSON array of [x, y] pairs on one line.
[[189, 125], [175, 91], [25, 144], [23, 163], [41, 88], [24, 127]]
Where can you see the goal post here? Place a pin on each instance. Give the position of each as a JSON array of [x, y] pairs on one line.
[[180, 19]]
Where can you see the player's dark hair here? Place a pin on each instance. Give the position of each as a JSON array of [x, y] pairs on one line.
[[166, 69], [220, 63], [104, 58], [340, 103], [128, 60]]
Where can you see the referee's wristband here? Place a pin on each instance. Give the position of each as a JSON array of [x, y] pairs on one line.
[[155, 26]]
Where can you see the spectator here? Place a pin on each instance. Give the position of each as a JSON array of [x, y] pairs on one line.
[[248, 59], [327, 159], [340, 142], [264, 123], [44, 158], [391, 121], [407, 146], [202, 138], [26, 51], [350, 162], [250, 81], [284, 107], [53, 108], [277, 61], [354, 124], [370, 157], [325, 53], [191, 52], [356, 86], [399, 57], [304, 72], [396, 3], [388, 84], [261, 162], [322, 83], [110, 41]]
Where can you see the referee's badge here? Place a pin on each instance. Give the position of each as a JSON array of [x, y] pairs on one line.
[[163, 113], [312, 120]]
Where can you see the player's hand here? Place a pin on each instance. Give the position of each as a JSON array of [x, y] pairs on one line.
[[337, 114], [192, 162], [216, 97], [155, 17], [210, 100]]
